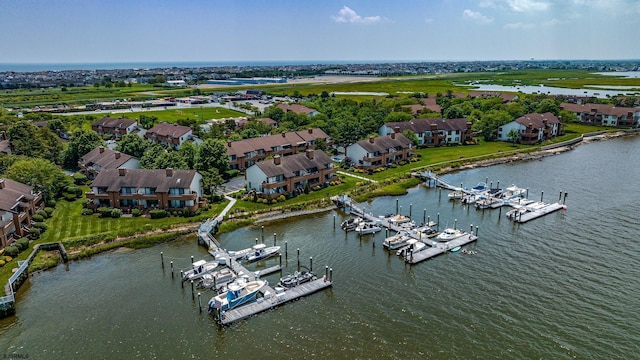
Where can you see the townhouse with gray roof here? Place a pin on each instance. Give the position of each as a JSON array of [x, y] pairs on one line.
[[117, 127], [604, 114], [102, 158], [433, 132], [379, 151], [18, 202], [166, 189], [169, 135], [532, 128]]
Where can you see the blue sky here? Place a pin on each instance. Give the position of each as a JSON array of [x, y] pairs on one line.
[[84, 31]]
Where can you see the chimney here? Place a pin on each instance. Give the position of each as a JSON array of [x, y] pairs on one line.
[[393, 136], [371, 139], [396, 129], [229, 143], [310, 131], [2, 184], [276, 159], [117, 154], [310, 154], [169, 172], [122, 171], [594, 110], [101, 149]]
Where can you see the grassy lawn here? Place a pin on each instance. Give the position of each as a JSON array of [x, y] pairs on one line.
[[172, 115]]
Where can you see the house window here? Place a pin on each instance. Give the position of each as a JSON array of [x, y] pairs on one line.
[[176, 191], [177, 203]]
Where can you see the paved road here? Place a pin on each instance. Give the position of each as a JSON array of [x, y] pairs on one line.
[[231, 186]]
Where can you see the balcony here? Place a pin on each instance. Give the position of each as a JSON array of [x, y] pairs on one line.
[[273, 185], [185, 197]]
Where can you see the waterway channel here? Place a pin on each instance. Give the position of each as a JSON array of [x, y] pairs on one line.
[[563, 286]]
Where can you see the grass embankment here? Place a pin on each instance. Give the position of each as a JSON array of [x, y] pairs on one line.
[[173, 115]]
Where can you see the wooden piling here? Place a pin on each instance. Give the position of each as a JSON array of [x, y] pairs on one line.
[[171, 269], [162, 257], [310, 263], [274, 239]]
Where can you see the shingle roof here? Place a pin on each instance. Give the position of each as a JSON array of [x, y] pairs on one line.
[[105, 158], [296, 108], [110, 122], [266, 143], [606, 109], [166, 129], [422, 125], [537, 120], [11, 192], [139, 178], [383, 143], [290, 164]]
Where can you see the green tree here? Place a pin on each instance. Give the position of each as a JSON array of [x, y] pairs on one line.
[[212, 154], [170, 159], [80, 143], [133, 145], [513, 135], [454, 112], [548, 105], [489, 123], [398, 117], [52, 148], [43, 175], [189, 152], [211, 180], [411, 136], [148, 159], [24, 139], [568, 116], [274, 112], [147, 122]]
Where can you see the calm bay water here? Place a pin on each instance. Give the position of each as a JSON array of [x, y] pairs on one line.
[[563, 286]]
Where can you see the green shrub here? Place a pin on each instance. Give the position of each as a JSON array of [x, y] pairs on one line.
[[51, 203], [12, 251], [136, 212], [157, 214], [40, 225], [34, 234], [49, 211], [6, 258], [69, 196], [42, 213], [37, 218], [104, 212], [116, 213], [86, 211], [22, 243], [79, 179], [2, 263], [274, 201], [281, 198]]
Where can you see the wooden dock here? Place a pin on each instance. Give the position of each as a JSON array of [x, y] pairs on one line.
[[272, 299], [438, 248]]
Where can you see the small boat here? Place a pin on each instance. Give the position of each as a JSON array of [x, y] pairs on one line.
[[365, 228], [237, 294], [199, 269], [216, 279], [449, 234], [426, 231], [413, 246], [456, 194], [295, 279], [513, 192], [489, 202], [396, 241], [261, 251], [351, 223], [457, 248], [398, 219]]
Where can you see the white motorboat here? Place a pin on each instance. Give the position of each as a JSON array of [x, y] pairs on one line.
[[295, 279], [413, 246], [396, 241], [425, 232], [217, 279], [365, 228], [199, 269], [489, 202], [513, 192], [456, 194], [261, 251], [238, 293], [351, 223], [398, 219], [449, 234]]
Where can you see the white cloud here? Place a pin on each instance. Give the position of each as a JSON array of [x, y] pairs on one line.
[[519, 25], [476, 16], [527, 5], [487, 4], [347, 15]]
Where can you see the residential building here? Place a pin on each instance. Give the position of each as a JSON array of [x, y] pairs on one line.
[[290, 174], [532, 128], [604, 114], [433, 131], [298, 109], [18, 202], [244, 153], [147, 189], [114, 126], [102, 158], [170, 135], [178, 83], [379, 151]]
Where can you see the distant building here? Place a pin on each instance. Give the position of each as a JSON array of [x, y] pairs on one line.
[[147, 189], [102, 158], [290, 174], [248, 81], [433, 132], [179, 83], [298, 109], [114, 126], [18, 203], [379, 151], [532, 128]]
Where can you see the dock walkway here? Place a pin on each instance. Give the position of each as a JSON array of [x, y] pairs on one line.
[[273, 299], [439, 248]]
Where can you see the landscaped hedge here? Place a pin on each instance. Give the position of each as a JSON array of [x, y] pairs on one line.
[[116, 213], [37, 218], [104, 212], [40, 225], [22, 244], [34, 234], [157, 214], [86, 211], [43, 213], [136, 212], [12, 251], [49, 211]]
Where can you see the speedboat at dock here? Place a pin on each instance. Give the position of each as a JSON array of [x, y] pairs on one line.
[[295, 279], [199, 269], [216, 279], [449, 234], [365, 228], [261, 251], [238, 293], [396, 241]]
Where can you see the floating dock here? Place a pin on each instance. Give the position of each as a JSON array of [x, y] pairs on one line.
[[272, 299], [530, 215], [439, 248]]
